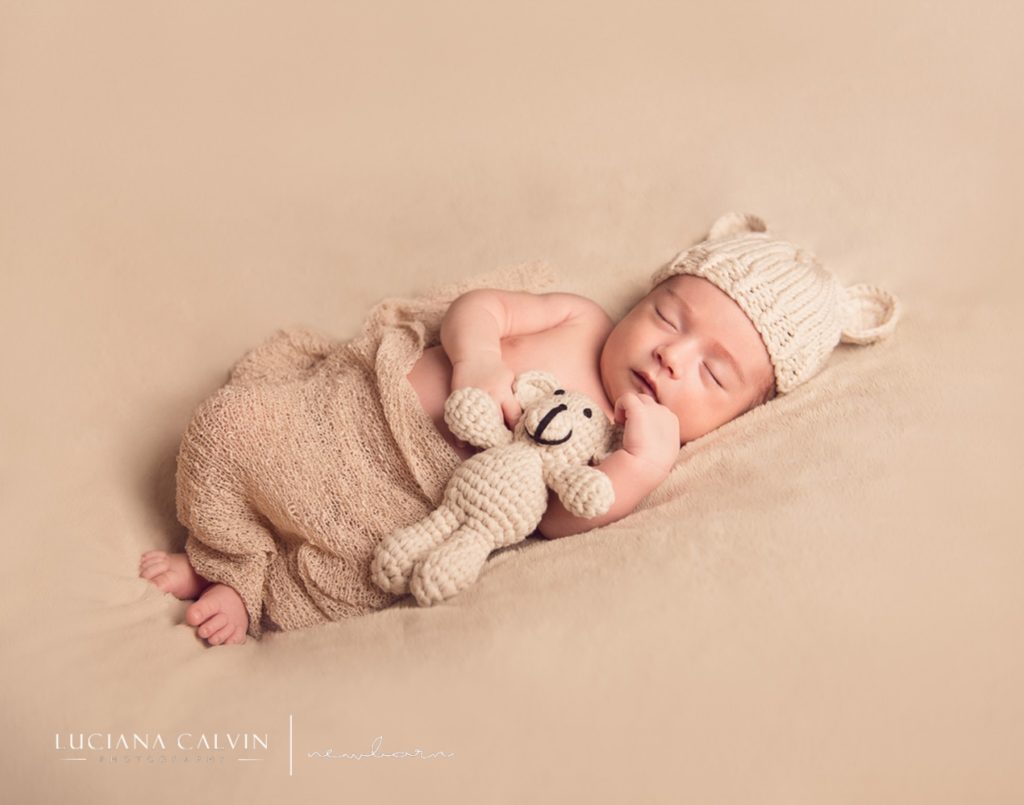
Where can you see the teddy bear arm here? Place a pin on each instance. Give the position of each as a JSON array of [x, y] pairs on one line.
[[473, 416], [584, 491], [484, 439]]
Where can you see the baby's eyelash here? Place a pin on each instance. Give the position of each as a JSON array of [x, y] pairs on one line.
[[713, 375]]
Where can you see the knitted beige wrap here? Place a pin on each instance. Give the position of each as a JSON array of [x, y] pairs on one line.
[[315, 449]]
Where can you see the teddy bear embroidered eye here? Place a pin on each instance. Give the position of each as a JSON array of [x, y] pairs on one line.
[[497, 497]]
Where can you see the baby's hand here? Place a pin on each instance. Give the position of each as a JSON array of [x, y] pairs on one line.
[[489, 372], [651, 430]]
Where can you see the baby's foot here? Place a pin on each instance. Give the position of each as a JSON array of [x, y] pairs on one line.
[[219, 615], [172, 573]]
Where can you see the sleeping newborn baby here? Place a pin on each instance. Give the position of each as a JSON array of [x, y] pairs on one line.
[[729, 324]]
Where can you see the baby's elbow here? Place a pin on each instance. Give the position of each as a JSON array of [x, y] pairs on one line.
[[558, 524], [548, 530], [550, 534]]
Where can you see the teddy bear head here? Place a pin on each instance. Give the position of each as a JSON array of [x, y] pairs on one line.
[[566, 425]]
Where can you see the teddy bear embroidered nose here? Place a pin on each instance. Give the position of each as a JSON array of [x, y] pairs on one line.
[[537, 435]]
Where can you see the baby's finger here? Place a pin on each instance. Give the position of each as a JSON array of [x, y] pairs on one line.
[[629, 398], [512, 411], [623, 405]]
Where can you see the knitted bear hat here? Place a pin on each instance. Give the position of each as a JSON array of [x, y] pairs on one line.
[[801, 310]]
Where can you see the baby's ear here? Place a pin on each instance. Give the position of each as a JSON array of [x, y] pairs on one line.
[[531, 386]]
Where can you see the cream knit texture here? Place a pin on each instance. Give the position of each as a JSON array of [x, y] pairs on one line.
[[498, 497], [314, 450], [801, 310]]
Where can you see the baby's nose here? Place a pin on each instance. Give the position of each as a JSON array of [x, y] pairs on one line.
[[674, 355]]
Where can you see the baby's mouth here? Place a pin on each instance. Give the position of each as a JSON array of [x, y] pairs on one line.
[[645, 384]]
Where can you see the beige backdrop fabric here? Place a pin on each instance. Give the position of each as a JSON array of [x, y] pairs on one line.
[[823, 606]]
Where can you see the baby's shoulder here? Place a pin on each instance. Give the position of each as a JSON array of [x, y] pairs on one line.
[[591, 321], [588, 312], [587, 328]]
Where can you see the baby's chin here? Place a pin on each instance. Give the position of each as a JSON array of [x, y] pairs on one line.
[[610, 388], [619, 383]]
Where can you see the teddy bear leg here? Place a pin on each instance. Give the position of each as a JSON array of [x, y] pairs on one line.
[[395, 557], [451, 567]]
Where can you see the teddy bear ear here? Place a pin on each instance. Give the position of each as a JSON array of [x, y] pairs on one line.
[[533, 385]]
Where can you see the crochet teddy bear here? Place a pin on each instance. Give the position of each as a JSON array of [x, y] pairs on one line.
[[497, 497]]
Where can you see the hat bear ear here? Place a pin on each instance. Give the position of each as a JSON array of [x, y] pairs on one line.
[[870, 314], [734, 223]]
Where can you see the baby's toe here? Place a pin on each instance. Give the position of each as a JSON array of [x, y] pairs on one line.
[[213, 625], [222, 634], [199, 612], [237, 638], [164, 582], [153, 560], [154, 568]]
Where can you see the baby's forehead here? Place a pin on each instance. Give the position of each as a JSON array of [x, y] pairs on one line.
[[678, 285], [699, 293], [689, 285]]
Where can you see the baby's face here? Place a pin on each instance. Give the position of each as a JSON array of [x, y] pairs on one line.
[[683, 350]]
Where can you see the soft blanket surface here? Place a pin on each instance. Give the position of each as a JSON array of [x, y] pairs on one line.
[[823, 602]]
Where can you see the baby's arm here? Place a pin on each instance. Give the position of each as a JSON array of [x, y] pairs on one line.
[[649, 451], [476, 322], [633, 479]]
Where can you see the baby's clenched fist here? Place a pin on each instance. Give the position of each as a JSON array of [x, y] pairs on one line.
[[651, 431]]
